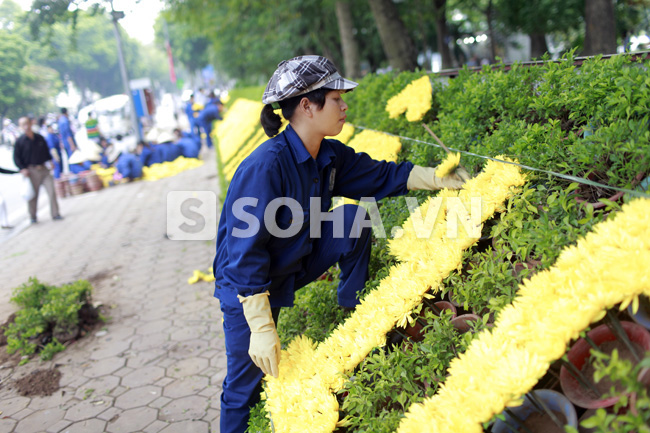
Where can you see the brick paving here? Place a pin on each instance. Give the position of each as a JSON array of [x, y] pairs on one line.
[[157, 364]]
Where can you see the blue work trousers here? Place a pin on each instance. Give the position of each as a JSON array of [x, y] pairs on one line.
[[242, 385]]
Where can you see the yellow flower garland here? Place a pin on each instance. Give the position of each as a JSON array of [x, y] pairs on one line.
[[415, 99], [300, 399], [377, 145], [238, 124], [605, 268], [169, 168]]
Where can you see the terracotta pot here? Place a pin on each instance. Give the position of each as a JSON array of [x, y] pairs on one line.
[[554, 400], [615, 197], [529, 264], [579, 355], [463, 323], [415, 331]]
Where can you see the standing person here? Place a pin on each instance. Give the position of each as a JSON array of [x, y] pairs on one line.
[[31, 155], [258, 265], [4, 219], [209, 114], [192, 115], [54, 143], [67, 137]]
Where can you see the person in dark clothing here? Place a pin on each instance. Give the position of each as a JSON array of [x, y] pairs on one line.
[[32, 157]]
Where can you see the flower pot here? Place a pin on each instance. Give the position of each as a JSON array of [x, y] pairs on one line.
[[579, 356], [615, 197], [531, 264], [642, 316], [535, 420], [463, 323], [415, 330]]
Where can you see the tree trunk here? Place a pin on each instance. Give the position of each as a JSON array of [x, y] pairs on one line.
[[442, 34], [397, 43], [490, 23], [349, 45], [600, 27], [538, 45]]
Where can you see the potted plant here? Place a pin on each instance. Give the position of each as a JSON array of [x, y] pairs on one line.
[[577, 376]]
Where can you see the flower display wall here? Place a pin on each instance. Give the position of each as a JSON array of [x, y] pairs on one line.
[[491, 113]]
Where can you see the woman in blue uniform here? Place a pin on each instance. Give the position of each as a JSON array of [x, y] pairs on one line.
[[266, 249]]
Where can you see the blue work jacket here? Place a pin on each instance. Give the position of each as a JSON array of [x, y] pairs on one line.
[[65, 131], [282, 167]]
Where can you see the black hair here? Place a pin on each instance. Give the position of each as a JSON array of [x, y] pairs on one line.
[[64, 110], [272, 122]]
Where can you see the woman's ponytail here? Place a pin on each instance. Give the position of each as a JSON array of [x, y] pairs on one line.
[[271, 122]]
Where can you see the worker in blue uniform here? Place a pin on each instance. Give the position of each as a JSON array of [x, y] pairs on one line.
[[266, 245], [188, 143], [149, 154], [54, 143], [210, 113], [129, 166], [192, 115], [65, 131]]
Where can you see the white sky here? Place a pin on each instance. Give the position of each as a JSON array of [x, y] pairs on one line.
[[139, 16]]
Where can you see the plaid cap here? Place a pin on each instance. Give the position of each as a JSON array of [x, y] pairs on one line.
[[301, 75]]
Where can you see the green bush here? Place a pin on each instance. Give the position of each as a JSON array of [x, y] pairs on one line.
[[46, 311]]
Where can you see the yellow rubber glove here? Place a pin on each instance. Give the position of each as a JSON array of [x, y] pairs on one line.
[[425, 178], [264, 347]]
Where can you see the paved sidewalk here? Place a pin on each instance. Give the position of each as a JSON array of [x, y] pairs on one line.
[[158, 363]]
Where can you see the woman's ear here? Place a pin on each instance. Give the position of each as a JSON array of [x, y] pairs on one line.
[[305, 106]]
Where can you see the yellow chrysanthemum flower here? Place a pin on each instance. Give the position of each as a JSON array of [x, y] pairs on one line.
[[449, 164], [415, 99]]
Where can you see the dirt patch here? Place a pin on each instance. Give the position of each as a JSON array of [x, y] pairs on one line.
[[38, 383], [100, 276]]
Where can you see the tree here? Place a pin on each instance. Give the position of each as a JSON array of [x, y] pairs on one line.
[[10, 14], [12, 50], [600, 27], [188, 47], [397, 43], [440, 7], [349, 44], [540, 18], [25, 87]]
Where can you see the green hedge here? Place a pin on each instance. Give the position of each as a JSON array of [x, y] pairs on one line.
[[589, 121]]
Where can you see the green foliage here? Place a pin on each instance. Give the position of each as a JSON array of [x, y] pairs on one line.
[[44, 308], [24, 83], [390, 380], [315, 313], [632, 412]]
